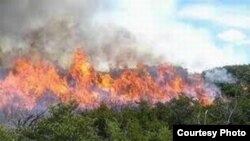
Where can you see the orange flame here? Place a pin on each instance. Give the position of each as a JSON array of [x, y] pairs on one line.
[[29, 81]]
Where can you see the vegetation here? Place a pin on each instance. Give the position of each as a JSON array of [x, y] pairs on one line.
[[143, 123]]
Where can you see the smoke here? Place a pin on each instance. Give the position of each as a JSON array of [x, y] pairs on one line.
[[144, 30], [219, 75], [54, 29], [44, 26], [18, 16]]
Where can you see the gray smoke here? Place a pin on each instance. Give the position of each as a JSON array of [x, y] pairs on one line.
[[219, 75], [45, 26], [17, 16], [55, 28]]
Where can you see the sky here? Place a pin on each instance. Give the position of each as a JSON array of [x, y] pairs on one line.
[[196, 34]]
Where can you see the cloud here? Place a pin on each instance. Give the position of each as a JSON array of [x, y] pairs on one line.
[[223, 16], [199, 12], [193, 48], [232, 35], [177, 42]]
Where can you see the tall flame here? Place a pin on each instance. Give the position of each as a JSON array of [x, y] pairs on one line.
[[30, 81]]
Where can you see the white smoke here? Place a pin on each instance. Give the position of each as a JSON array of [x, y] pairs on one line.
[[152, 26], [219, 75]]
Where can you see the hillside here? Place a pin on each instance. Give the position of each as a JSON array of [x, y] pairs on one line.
[[142, 123]]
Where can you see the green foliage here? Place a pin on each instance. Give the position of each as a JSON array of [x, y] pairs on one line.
[[231, 90], [66, 124], [241, 72], [182, 111], [6, 135], [142, 123], [114, 131], [63, 125]]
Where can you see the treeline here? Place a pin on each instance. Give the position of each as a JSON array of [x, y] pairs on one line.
[[143, 123]]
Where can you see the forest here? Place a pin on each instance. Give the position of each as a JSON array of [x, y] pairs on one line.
[[143, 123]]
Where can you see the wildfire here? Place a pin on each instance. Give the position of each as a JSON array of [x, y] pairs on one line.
[[30, 81]]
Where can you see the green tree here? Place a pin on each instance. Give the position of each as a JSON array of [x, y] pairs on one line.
[[63, 125], [114, 132], [7, 135]]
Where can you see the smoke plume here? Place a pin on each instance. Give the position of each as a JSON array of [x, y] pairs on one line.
[[219, 75], [54, 29]]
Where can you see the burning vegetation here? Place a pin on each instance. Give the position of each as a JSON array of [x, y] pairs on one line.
[[35, 84], [68, 72]]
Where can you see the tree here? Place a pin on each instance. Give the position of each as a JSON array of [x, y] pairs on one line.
[[63, 125], [7, 135]]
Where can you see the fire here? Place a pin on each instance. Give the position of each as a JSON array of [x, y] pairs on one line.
[[30, 81]]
